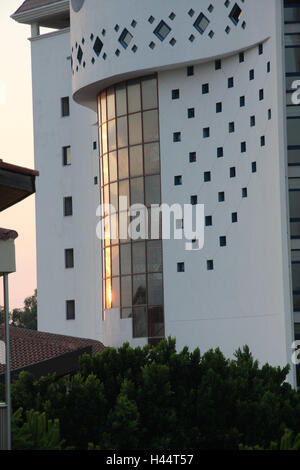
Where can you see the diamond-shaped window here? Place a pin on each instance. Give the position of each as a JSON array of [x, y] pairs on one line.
[[98, 46], [79, 55], [162, 30], [125, 38], [201, 23], [235, 14]]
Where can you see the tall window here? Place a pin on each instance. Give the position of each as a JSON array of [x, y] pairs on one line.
[[70, 309], [130, 166], [65, 106], [69, 258], [66, 155], [68, 206]]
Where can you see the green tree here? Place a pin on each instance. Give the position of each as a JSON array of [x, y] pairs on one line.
[[123, 421], [161, 398], [35, 432], [26, 317]]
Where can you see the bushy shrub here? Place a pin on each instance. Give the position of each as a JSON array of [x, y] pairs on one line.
[[158, 398]]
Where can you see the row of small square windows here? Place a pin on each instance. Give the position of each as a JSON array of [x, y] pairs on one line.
[[207, 178], [221, 194], [220, 152], [231, 130], [161, 31], [208, 220], [218, 65], [219, 108], [209, 262], [205, 90]]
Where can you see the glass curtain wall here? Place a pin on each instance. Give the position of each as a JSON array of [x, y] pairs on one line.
[[130, 167], [292, 65], [292, 60]]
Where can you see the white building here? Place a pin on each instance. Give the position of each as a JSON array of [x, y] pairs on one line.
[[190, 100]]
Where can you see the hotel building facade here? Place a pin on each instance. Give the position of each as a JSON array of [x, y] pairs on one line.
[[168, 102]]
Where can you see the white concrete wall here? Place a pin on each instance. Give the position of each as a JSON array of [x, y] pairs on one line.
[[246, 299], [51, 67], [98, 15]]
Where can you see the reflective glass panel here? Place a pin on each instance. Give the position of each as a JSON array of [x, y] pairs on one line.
[[289, 81], [295, 229], [140, 322], [292, 59], [111, 103], [113, 173], [105, 169], [104, 138], [292, 39], [294, 156], [114, 201], [123, 224], [123, 163], [293, 126], [137, 191], [155, 289], [125, 259], [107, 262], [115, 292], [108, 294], [134, 96], [154, 256], [139, 290], [294, 204], [136, 160], [121, 99], [106, 197], [122, 132], [292, 14], [114, 229], [124, 191], [138, 257], [156, 322], [150, 124], [112, 138], [149, 93], [103, 107], [296, 276], [152, 190], [135, 129], [151, 158], [126, 291]]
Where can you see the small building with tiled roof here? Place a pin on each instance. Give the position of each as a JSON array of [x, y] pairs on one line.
[[45, 353]]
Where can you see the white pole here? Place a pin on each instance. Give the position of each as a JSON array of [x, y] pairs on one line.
[[7, 353]]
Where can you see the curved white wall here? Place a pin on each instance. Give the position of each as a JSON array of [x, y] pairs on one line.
[[106, 19], [246, 299], [241, 301]]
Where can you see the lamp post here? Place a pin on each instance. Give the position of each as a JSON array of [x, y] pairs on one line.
[[7, 361]]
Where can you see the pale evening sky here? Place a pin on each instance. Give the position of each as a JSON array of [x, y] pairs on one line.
[[16, 144]]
